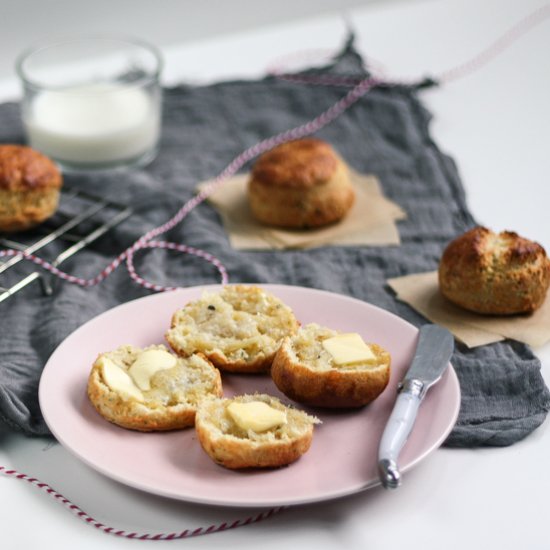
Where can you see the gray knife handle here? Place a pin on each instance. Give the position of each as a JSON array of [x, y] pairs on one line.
[[396, 433]]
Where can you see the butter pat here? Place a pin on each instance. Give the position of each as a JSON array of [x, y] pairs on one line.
[[118, 380], [347, 349], [147, 364], [256, 416]]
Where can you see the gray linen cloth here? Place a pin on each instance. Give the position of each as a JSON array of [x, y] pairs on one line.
[[504, 396]]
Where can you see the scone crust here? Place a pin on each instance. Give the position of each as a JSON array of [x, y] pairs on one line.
[[302, 163], [135, 415], [23, 169], [300, 184], [336, 387], [497, 274], [29, 187], [240, 452], [252, 351]]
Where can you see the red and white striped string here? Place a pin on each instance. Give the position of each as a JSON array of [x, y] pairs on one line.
[[359, 88], [186, 533]]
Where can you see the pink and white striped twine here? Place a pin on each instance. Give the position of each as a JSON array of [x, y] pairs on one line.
[[186, 533], [358, 89]]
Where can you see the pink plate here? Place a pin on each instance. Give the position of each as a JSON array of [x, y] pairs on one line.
[[341, 461]]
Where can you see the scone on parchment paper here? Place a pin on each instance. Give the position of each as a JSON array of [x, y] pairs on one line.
[[239, 329], [300, 184], [321, 367], [29, 187], [253, 431], [494, 273], [151, 389]]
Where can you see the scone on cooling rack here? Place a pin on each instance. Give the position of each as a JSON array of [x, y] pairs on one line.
[[151, 389], [494, 273], [239, 329], [253, 431], [321, 367], [300, 184], [29, 187]]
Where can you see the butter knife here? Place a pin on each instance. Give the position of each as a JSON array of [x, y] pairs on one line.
[[431, 358]]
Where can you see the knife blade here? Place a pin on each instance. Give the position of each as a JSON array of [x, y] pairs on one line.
[[431, 358]]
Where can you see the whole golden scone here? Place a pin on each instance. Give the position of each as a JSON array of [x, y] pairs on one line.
[[233, 447], [239, 329], [498, 274], [29, 187], [306, 372], [170, 403], [300, 184]]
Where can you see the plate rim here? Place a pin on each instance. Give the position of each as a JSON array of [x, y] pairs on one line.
[[267, 503]]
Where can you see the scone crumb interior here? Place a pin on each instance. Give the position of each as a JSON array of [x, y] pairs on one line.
[[307, 347], [173, 396], [221, 423], [231, 446], [308, 373], [238, 329], [172, 386]]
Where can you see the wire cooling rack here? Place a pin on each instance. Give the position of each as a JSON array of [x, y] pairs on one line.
[[80, 219]]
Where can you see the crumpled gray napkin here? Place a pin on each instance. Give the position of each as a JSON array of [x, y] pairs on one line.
[[386, 133]]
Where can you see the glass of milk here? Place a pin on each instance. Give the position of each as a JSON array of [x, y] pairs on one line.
[[92, 103]]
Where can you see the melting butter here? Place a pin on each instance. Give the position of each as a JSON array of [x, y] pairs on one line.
[[118, 380], [256, 416], [147, 364], [347, 349]]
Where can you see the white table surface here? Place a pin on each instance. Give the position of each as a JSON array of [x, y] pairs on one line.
[[494, 123]]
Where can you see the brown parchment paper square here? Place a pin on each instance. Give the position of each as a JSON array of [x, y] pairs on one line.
[[421, 291], [371, 220]]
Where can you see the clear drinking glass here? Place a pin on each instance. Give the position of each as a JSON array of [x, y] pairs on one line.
[[92, 103]]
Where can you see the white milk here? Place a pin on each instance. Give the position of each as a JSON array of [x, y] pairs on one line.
[[95, 124]]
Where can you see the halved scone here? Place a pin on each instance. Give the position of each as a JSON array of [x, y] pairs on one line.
[[239, 329], [306, 371], [151, 389], [253, 431]]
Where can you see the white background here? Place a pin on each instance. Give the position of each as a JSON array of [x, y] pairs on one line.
[[494, 123]]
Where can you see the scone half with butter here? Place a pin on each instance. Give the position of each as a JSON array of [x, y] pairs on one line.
[[239, 328], [253, 431], [321, 367], [151, 389]]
